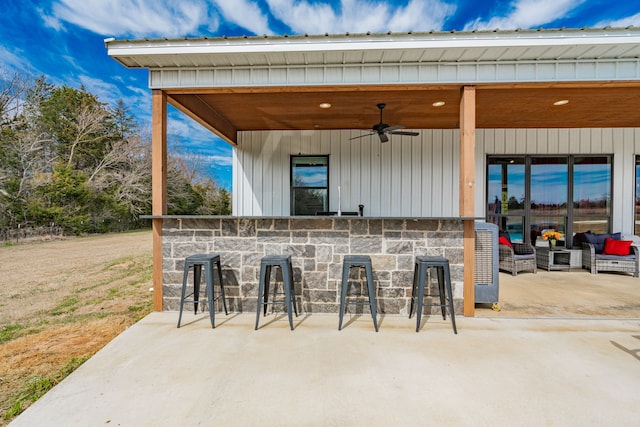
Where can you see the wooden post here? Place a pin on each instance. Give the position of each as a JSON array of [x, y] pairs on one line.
[[467, 191], [158, 187]]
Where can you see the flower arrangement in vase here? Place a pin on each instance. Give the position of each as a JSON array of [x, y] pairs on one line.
[[552, 237]]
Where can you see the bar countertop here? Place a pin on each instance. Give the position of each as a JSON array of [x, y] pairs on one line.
[[301, 217]]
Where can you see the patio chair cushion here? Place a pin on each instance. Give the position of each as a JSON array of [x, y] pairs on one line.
[[597, 240], [579, 239], [504, 241], [616, 247], [504, 234]]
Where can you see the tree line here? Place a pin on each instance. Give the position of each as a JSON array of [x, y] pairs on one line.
[[71, 161]]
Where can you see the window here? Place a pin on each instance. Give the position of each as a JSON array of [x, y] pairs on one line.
[[506, 190], [309, 184], [548, 196], [528, 195], [591, 194], [637, 204]]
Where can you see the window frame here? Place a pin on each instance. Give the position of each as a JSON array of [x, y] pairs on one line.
[[293, 187], [503, 219]]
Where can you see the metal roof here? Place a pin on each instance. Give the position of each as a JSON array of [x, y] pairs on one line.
[[232, 84], [401, 48]]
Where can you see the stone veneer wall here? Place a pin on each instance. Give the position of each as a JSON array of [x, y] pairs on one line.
[[317, 246]]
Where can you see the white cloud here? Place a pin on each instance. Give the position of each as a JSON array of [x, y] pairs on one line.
[[13, 61], [169, 18], [360, 16], [633, 20], [50, 21], [246, 14], [527, 14]]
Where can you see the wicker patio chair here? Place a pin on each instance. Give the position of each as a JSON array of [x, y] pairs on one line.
[[522, 257], [595, 262]]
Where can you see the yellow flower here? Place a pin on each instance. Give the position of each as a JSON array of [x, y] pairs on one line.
[[551, 235]]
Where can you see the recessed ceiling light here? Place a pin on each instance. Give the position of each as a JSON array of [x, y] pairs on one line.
[[561, 102], [325, 105], [438, 103]]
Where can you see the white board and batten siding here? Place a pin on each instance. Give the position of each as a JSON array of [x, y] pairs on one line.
[[405, 177], [413, 176]]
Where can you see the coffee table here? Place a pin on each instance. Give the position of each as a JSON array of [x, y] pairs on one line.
[[558, 259]]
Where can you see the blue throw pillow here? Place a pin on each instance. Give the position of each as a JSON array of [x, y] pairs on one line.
[[597, 240]]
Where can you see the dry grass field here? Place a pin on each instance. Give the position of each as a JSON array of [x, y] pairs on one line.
[[60, 302]]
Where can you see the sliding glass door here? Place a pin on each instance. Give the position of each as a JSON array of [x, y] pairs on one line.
[[528, 195]]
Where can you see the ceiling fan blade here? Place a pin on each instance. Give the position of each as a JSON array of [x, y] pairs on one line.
[[393, 128], [405, 133], [361, 136]]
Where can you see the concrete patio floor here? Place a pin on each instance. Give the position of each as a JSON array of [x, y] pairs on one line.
[[495, 372]]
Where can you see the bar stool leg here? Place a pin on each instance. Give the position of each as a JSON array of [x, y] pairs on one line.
[[267, 283], [441, 291], [224, 299], [422, 278], [413, 290], [286, 283], [261, 304], [185, 277], [293, 290], [447, 281], [372, 295], [210, 299], [343, 292], [197, 274]]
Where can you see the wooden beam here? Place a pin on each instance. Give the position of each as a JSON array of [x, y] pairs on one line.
[[194, 107], [158, 186], [467, 191]]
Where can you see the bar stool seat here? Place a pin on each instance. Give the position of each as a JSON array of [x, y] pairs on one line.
[[441, 265], [197, 262], [284, 263], [358, 261]]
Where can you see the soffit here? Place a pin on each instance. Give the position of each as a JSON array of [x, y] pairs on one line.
[[497, 106]]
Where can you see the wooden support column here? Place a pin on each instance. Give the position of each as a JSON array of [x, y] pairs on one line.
[[158, 187], [467, 190]]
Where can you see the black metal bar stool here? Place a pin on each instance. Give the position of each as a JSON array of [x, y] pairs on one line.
[[441, 265], [284, 262], [197, 262], [357, 261]]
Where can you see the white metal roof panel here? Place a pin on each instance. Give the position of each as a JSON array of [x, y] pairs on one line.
[[449, 50]]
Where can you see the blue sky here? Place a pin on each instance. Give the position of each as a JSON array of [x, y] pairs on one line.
[[64, 39]]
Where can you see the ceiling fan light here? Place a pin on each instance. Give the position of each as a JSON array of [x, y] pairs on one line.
[[325, 105], [438, 103]]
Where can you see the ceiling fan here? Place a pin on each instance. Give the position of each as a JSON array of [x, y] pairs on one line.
[[383, 129]]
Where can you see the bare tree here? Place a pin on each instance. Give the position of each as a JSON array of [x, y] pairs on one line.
[[90, 127], [12, 91]]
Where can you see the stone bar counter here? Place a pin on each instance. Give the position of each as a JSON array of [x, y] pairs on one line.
[[317, 246]]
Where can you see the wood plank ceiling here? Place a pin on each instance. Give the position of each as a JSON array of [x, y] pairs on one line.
[[229, 110]]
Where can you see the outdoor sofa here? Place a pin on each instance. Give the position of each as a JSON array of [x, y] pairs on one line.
[[608, 252]]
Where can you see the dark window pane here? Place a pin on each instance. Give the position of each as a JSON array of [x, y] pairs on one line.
[[310, 171], [637, 227], [593, 224], [309, 201], [549, 185], [506, 186], [592, 186], [540, 224]]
